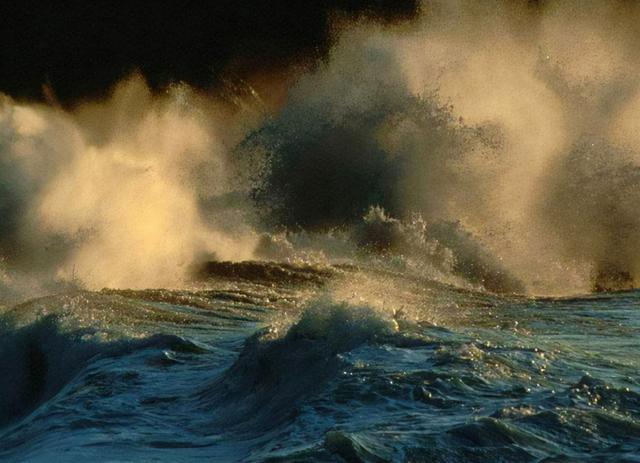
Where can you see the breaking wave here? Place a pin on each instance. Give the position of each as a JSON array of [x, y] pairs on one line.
[[516, 150], [275, 373]]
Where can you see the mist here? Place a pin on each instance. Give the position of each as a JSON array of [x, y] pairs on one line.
[[111, 194], [514, 124]]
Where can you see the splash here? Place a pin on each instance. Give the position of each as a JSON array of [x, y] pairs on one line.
[[473, 114], [113, 193], [516, 124]]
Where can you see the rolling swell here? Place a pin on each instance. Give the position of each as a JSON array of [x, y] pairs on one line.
[[342, 382], [38, 360]]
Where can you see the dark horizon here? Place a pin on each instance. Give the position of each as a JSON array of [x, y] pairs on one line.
[[81, 50]]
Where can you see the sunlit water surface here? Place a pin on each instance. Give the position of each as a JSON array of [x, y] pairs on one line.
[[246, 369]]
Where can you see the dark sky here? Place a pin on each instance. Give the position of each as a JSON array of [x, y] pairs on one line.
[[81, 48]]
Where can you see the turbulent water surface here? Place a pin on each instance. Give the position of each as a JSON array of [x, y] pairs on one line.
[[281, 362], [303, 232]]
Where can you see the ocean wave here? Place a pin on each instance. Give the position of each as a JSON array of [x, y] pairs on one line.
[[265, 272], [275, 373], [38, 360]]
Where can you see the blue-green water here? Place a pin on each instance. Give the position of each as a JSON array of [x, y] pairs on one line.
[[247, 370]]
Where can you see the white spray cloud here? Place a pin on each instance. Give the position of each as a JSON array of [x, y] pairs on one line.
[[111, 193]]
